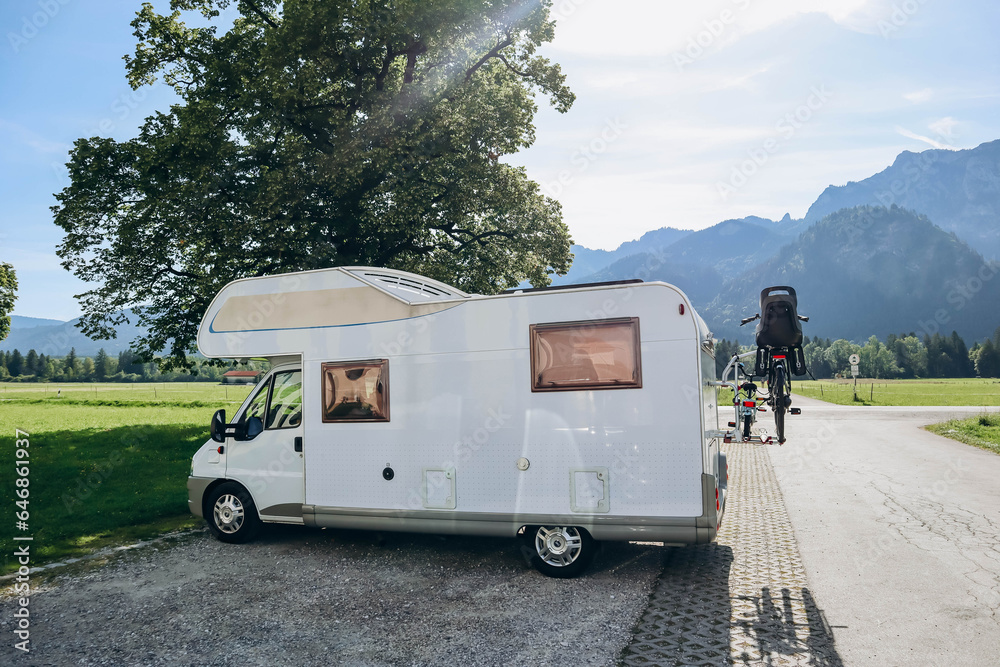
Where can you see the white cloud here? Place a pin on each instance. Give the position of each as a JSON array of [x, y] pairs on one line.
[[29, 260], [24, 136], [944, 127], [919, 96], [654, 27], [919, 137]]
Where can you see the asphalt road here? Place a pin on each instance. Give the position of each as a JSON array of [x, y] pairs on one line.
[[899, 532]]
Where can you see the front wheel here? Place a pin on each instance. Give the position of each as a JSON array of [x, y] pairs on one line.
[[231, 514], [780, 402], [560, 551]]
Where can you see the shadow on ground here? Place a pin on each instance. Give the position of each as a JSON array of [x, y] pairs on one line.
[[692, 618]]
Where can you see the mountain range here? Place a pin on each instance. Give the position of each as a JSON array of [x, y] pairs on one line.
[[913, 248], [55, 338]]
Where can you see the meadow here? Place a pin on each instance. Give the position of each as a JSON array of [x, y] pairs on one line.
[[108, 463], [982, 431], [965, 391]]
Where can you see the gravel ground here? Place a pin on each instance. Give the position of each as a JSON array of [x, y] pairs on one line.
[[301, 596]]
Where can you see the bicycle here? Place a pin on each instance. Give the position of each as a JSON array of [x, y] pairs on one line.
[[779, 337], [745, 400], [747, 403]]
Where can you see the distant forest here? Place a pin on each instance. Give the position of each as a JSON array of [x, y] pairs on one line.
[[127, 367], [902, 356]]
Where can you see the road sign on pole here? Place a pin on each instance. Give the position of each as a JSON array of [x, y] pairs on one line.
[[854, 359], [854, 370]]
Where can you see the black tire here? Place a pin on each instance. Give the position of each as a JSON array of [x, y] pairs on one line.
[[746, 427], [231, 514], [559, 551], [780, 403]]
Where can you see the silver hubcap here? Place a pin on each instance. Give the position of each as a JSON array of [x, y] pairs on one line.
[[228, 513], [558, 547]]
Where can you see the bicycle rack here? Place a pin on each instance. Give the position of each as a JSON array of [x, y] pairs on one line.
[[736, 435]]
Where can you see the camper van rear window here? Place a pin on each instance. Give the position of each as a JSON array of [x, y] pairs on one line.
[[599, 354], [356, 391]]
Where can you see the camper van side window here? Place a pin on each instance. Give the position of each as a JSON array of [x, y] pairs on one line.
[[356, 391], [598, 354]]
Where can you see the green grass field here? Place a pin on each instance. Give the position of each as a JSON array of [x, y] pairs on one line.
[[985, 392], [108, 463], [982, 431]]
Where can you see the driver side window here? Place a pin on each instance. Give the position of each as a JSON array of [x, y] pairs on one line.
[[285, 410], [258, 405], [278, 403]]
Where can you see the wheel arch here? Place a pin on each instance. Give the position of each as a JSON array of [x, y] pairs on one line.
[[206, 511]]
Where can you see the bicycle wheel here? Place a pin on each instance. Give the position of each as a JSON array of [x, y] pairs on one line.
[[746, 427], [779, 402]]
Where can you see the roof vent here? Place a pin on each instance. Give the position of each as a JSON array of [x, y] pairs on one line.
[[410, 287]]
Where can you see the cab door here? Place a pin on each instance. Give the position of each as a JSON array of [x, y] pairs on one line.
[[270, 465]]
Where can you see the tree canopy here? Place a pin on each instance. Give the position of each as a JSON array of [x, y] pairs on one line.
[[8, 295], [316, 133]]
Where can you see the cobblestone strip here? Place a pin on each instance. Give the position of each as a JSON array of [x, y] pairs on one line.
[[742, 600]]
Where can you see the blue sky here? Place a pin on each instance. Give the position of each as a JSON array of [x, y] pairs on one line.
[[686, 114]]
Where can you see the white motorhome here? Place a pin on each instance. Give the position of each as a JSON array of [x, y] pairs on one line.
[[396, 402]]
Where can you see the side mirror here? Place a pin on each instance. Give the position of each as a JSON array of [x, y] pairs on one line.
[[254, 427], [248, 429], [218, 426]]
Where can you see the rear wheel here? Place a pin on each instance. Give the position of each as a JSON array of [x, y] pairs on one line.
[[746, 427], [780, 402], [560, 551]]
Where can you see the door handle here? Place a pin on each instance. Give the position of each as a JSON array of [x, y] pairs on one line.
[[298, 443]]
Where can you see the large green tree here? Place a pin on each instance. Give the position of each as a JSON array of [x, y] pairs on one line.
[[316, 133], [8, 294]]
